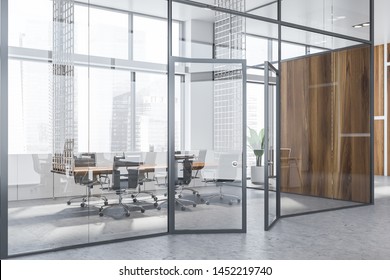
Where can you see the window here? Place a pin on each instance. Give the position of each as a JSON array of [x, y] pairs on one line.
[[108, 33], [151, 111], [150, 39], [31, 24], [29, 102]]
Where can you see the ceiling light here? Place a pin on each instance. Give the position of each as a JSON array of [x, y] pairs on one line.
[[364, 24]]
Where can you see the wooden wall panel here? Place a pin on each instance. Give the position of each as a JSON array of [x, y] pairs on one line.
[[388, 53], [379, 128], [293, 103], [388, 121], [352, 180], [352, 90], [352, 124], [325, 123], [306, 114], [378, 81]]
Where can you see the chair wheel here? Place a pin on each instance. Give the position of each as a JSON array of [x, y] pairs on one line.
[[238, 201], [132, 196], [134, 200], [101, 214], [194, 192], [142, 210], [159, 208], [202, 200], [180, 196], [183, 208], [82, 204], [155, 204], [68, 202], [230, 202], [155, 198], [197, 194], [165, 194], [207, 202], [128, 214], [106, 203], [194, 205]]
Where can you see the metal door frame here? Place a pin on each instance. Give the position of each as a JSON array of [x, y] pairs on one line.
[[267, 68]]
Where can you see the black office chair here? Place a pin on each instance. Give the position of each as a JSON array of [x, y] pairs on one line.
[[182, 181], [123, 182], [81, 178], [150, 160], [225, 174]]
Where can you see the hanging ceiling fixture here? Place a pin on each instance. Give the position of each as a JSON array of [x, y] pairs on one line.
[[365, 24]]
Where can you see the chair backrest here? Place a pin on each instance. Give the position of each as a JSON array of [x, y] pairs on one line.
[[228, 166], [150, 158], [201, 156], [85, 160], [187, 173], [125, 172]]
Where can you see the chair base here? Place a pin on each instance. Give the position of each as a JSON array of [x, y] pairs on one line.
[[85, 198], [183, 203], [125, 207], [233, 198]]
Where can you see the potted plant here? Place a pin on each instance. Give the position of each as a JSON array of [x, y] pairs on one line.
[[256, 144]]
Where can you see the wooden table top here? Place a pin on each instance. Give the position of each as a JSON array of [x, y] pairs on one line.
[[96, 170]]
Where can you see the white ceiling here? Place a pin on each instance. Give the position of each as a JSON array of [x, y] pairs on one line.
[[332, 15]]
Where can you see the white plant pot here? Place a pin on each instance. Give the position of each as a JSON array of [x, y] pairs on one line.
[[257, 175]]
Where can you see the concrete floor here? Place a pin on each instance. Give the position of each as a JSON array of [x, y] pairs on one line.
[[357, 233]]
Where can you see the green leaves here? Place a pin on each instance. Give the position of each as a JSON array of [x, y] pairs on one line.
[[256, 143]]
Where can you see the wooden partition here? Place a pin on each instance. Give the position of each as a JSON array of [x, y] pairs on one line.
[[379, 110], [388, 53], [325, 123]]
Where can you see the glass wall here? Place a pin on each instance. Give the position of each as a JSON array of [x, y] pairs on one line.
[[115, 112], [347, 17], [325, 125]]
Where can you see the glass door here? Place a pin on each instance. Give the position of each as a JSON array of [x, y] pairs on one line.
[[207, 186], [271, 149]]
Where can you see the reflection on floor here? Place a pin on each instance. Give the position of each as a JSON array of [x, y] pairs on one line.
[[356, 233]]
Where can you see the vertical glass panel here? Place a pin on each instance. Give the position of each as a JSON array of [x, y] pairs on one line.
[[255, 123], [325, 132], [106, 30], [209, 165], [258, 47], [31, 23], [348, 17], [127, 126], [36, 221], [149, 32], [151, 111], [198, 30]]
